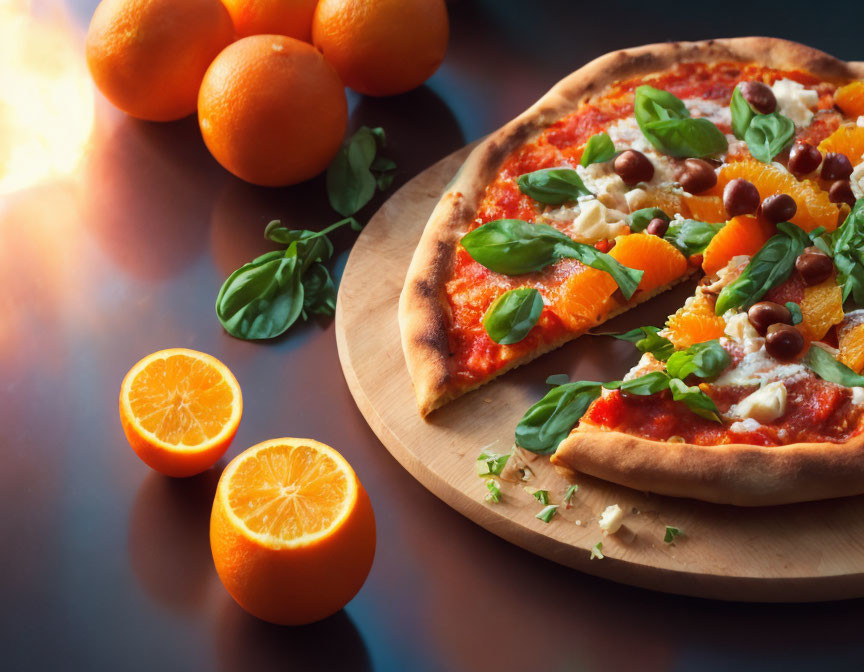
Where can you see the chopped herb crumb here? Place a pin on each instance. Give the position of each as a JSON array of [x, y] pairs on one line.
[[490, 463], [597, 551], [494, 489], [546, 514], [569, 494], [671, 533], [542, 496]]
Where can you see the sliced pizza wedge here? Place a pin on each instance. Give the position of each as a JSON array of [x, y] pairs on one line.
[[603, 194]]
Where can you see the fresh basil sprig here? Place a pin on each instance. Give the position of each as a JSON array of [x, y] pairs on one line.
[[648, 384], [598, 149], [848, 251], [666, 123], [640, 219], [826, 367], [770, 266], [263, 298], [553, 186], [646, 339], [742, 114], [657, 381], [512, 315], [548, 422], [768, 135], [357, 170], [703, 360], [514, 247], [691, 236]]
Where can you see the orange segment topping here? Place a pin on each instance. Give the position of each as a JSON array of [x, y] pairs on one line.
[[661, 261], [706, 208], [850, 338], [850, 99], [848, 140], [814, 207], [741, 235], [584, 298], [821, 309], [695, 322]]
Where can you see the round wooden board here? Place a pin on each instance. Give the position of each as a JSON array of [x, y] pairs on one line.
[[802, 552]]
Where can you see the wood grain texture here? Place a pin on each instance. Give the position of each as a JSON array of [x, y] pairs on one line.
[[801, 552]]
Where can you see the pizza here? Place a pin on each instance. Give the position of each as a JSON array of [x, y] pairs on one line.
[[550, 218], [740, 161]]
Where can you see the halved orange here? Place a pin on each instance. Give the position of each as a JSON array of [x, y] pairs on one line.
[[741, 235], [850, 99], [292, 531], [695, 322], [662, 262], [814, 207], [180, 410]]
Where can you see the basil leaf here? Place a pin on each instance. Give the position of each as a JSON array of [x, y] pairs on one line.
[[795, 309], [549, 421], [512, 315], [319, 291], [553, 186], [691, 236], [768, 135], [826, 367], [598, 149], [640, 219], [742, 114], [767, 268], [848, 252], [694, 399], [686, 138], [558, 379], [650, 383], [515, 247], [350, 179], [263, 298], [490, 463], [646, 339], [703, 360], [651, 105], [672, 532], [384, 170]]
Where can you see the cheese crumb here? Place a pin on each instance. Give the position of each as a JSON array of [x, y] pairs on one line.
[[858, 395], [738, 327], [795, 101], [744, 426], [764, 405], [611, 519], [597, 222], [861, 121], [856, 179]]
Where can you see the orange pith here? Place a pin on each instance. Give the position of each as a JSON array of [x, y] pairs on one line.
[[180, 410], [695, 322], [851, 341], [661, 261], [821, 309], [292, 531], [848, 140], [814, 207], [850, 99], [741, 235]]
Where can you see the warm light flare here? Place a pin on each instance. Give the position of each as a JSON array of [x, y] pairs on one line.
[[46, 97]]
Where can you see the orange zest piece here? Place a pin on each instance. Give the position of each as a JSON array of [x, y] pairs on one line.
[[741, 235], [850, 99], [180, 410], [706, 208], [814, 207], [848, 140], [661, 261], [695, 322], [850, 338], [292, 531], [821, 309]]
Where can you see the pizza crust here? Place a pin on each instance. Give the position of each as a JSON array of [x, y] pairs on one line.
[[423, 305], [739, 474]]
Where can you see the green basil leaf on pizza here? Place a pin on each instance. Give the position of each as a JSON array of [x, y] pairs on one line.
[[691, 236], [639, 219], [512, 315], [598, 149], [769, 134], [553, 186], [666, 123], [647, 339], [549, 421], [824, 365], [703, 360]]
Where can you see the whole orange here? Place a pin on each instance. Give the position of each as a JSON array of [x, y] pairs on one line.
[[382, 47], [272, 110], [275, 17], [148, 56], [292, 531]]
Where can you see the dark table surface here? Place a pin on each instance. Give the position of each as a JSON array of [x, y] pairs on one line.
[[106, 564]]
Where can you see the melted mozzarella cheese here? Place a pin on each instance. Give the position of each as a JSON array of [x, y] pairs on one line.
[[744, 426], [738, 327], [856, 180], [764, 405], [611, 519], [795, 101], [590, 221]]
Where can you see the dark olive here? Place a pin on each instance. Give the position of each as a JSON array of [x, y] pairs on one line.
[[804, 159], [740, 197], [778, 208], [836, 167], [760, 96], [841, 192], [657, 227], [632, 167], [697, 176], [765, 313], [783, 341], [814, 266]]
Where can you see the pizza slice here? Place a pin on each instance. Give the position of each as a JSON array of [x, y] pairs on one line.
[[603, 194], [746, 396]]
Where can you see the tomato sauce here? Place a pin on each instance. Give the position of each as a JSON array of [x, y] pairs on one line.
[[472, 288]]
